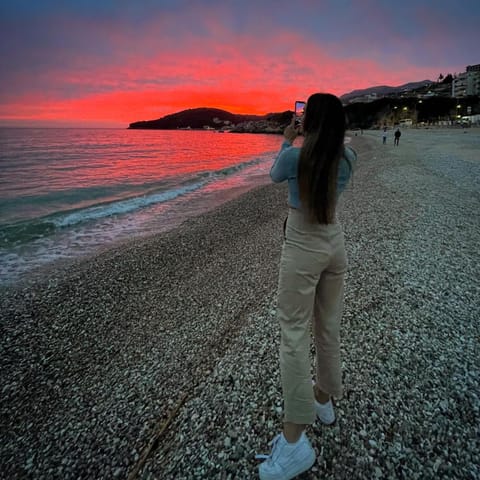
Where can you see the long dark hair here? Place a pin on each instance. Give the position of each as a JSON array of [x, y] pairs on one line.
[[324, 129]]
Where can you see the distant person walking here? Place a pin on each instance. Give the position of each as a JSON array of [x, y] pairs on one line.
[[384, 136], [310, 286], [397, 135]]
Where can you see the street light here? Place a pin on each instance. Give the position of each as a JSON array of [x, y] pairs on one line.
[[416, 111]]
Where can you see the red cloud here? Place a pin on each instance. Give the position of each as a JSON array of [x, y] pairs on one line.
[[240, 73]]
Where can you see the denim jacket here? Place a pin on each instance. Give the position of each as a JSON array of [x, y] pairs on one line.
[[285, 167]]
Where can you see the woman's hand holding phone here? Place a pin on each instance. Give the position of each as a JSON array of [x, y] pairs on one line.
[[291, 131]]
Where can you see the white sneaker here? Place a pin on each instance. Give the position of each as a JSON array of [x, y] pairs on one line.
[[287, 460], [325, 412]]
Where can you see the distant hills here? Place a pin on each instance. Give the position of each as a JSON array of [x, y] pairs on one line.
[[383, 90], [195, 118], [217, 119], [413, 102]]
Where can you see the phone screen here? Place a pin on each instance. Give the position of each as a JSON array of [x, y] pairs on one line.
[[299, 111]]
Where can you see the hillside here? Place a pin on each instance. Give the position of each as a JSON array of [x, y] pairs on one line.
[[195, 118], [382, 90], [214, 118], [413, 106]]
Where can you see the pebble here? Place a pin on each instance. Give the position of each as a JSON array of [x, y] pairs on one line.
[[96, 366]]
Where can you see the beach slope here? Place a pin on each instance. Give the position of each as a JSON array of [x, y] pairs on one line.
[[179, 330]]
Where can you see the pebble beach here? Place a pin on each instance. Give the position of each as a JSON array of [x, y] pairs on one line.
[[158, 358]]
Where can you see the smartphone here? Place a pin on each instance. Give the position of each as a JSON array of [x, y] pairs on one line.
[[299, 112]]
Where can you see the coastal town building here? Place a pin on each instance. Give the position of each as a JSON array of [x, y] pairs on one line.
[[473, 68], [467, 83], [369, 97]]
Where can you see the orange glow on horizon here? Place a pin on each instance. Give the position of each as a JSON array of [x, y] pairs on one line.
[[238, 75], [121, 107]]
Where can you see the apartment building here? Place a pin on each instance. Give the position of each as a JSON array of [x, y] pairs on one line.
[[467, 83]]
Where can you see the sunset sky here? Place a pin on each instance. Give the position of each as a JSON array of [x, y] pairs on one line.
[[112, 62]]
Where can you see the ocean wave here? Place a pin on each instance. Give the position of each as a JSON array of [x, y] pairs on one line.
[[26, 231], [231, 170], [123, 206]]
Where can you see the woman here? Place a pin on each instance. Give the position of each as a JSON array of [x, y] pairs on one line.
[[312, 267]]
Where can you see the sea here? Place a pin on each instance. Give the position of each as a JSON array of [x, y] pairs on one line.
[[68, 193]]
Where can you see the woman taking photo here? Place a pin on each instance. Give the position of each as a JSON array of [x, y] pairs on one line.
[[310, 287]]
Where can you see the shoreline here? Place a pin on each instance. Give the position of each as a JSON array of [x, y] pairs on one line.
[[125, 318], [96, 357], [61, 266]]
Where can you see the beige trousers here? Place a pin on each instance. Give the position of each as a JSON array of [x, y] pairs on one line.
[[310, 291]]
